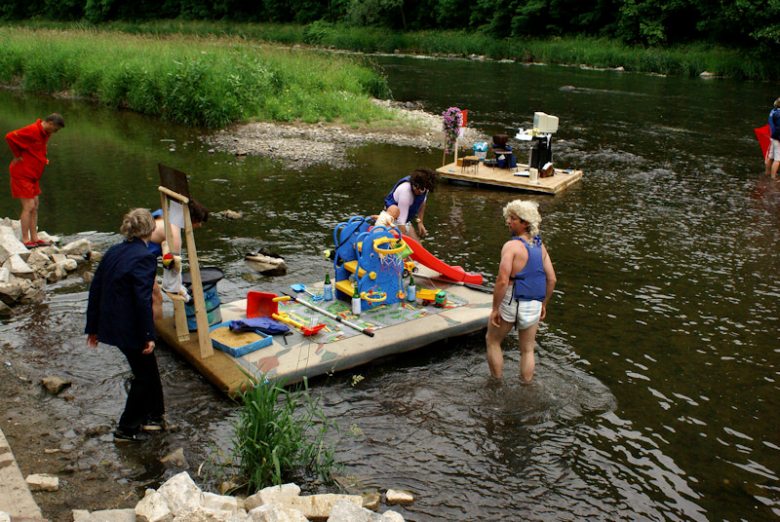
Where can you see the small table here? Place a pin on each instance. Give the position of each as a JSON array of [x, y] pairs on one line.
[[470, 162]]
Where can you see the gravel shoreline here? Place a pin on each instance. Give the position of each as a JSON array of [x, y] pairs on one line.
[[299, 146]]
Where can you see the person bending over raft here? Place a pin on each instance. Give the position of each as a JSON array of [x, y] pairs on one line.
[[199, 214], [119, 313], [410, 195], [524, 262]]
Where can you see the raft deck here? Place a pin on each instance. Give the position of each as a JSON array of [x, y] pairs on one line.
[[518, 178], [397, 328]]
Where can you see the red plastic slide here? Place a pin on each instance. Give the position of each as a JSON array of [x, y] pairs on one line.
[[427, 259]]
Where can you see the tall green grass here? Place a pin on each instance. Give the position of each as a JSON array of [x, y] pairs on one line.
[[206, 81], [280, 431]]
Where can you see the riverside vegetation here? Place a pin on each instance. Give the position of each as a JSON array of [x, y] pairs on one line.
[[681, 59], [207, 82]]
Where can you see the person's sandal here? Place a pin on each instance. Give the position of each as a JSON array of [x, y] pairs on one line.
[[123, 436], [30, 245], [159, 425], [42, 243]]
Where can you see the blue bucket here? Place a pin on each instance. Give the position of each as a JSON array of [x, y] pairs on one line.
[[209, 277]]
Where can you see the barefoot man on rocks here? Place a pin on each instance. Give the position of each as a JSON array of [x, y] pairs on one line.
[[28, 145], [526, 264]]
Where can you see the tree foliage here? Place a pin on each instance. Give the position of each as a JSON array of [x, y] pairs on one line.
[[742, 23]]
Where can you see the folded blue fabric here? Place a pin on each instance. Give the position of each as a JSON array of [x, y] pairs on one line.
[[262, 324]]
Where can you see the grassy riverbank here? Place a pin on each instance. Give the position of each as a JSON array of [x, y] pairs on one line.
[[680, 60], [207, 81]]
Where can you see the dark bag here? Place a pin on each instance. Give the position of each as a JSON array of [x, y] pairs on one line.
[[258, 324]]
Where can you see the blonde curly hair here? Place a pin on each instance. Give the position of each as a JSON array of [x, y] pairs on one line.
[[137, 223], [528, 211]]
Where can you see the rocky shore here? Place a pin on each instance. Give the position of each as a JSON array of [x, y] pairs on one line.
[[179, 499], [24, 272], [299, 146]]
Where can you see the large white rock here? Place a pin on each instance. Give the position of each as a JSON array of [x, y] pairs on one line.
[[214, 502], [10, 244], [79, 247], [68, 264], [5, 517], [5, 275], [181, 494], [18, 267], [318, 506], [11, 292], [345, 511], [270, 495], [112, 515], [42, 482], [57, 273], [276, 513], [153, 508], [391, 516], [398, 496], [37, 259]]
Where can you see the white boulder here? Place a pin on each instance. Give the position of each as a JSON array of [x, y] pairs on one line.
[[42, 482], [181, 494], [18, 267], [276, 513], [153, 508], [10, 244], [270, 495], [80, 247]]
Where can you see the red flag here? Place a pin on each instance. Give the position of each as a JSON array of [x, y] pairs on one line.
[[762, 133], [464, 113]]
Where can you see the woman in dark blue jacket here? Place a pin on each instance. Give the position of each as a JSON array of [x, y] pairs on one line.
[[119, 313]]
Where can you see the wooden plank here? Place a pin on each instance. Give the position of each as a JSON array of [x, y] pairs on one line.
[[506, 178]]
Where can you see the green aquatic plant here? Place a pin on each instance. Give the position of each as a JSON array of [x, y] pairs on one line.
[[281, 431]]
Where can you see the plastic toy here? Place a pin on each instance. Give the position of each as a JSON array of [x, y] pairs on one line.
[[372, 258], [409, 268], [436, 297]]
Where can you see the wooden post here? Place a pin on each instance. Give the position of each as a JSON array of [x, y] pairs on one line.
[[199, 302], [179, 313]]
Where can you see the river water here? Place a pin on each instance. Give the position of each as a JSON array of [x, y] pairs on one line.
[[656, 388]]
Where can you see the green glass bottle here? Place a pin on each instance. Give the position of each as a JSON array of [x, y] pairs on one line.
[[327, 292], [356, 301]]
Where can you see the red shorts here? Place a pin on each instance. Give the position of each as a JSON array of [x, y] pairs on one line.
[[24, 188]]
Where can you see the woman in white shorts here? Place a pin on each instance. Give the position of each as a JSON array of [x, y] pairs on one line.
[[525, 283]]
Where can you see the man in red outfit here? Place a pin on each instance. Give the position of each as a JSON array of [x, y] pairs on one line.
[[28, 146]]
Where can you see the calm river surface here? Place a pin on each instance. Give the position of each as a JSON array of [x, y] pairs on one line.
[[656, 393]]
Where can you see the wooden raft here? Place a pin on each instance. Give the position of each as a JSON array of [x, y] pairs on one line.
[[507, 178]]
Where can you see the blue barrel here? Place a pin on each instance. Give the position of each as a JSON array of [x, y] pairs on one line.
[[209, 277]]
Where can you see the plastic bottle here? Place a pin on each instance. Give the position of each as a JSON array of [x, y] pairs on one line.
[[327, 293], [411, 291], [356, 301]]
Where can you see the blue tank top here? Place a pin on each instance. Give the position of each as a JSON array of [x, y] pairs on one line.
[[154, 248], [530, 284], [774, 123], [418, 200]]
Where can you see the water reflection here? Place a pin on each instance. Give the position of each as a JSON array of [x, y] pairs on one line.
[[655, 394]]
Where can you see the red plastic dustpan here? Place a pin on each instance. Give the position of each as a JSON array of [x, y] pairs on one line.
[[262, 304]]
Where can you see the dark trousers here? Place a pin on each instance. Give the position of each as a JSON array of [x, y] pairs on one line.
[[145, 398]]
